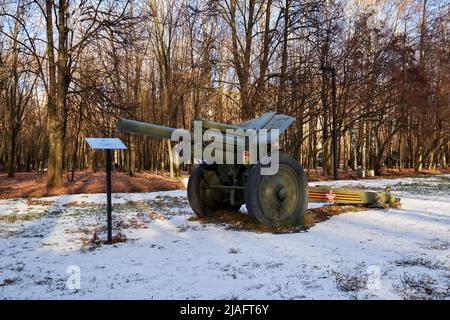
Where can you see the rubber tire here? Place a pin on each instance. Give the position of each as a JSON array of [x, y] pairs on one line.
[[251, 194], [194, 193]]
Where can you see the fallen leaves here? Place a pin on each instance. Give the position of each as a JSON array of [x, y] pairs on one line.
[[39, 202], [243, 222], [7, 282], [34, 184], [97, 240]]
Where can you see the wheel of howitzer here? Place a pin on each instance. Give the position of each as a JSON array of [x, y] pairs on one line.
[[204, 200], [277, 199]]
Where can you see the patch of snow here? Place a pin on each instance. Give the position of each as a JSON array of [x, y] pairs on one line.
[[171, 257]]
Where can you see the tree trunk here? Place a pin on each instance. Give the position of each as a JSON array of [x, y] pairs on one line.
[[169, 148], [53, 175], [419, 160], [132, 157], [11, 152]]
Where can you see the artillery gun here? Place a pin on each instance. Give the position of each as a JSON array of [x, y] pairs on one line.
[[273, 200]]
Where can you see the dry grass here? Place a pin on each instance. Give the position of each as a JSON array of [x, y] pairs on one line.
[[28, 216], [351, 282], [422, 262], [96, 240], [421, 287], [243, 222]]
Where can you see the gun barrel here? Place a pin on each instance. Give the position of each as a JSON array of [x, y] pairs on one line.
[[142, 128], [208, 124]]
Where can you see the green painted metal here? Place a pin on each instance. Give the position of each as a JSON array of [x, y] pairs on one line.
[[143, 128], [279, 194], [222, 127], [269, 120]]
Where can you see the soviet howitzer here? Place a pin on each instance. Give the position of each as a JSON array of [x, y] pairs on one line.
[[274, 199], [235, 135], [142, 128], [279, 197]]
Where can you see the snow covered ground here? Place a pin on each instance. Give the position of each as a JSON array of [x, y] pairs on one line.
[[46, 253]]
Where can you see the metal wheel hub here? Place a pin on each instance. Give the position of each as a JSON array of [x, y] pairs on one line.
[[283, 193], [279, 194]]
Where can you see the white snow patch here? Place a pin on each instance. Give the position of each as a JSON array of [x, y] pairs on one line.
[[174, 258]]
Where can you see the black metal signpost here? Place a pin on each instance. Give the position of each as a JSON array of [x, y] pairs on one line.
[[107, 144]]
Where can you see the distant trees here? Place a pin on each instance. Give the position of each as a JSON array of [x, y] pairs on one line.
[[70, 69], [17, 88]]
